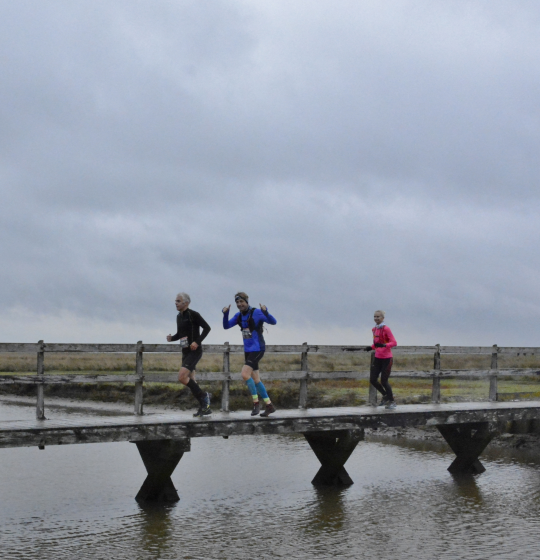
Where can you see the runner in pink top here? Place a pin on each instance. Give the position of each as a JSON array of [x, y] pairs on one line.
[[383, 342]]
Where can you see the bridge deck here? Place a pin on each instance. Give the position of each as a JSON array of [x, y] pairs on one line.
[[182, 425]]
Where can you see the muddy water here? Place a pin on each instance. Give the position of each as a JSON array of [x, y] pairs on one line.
[[249, 497]]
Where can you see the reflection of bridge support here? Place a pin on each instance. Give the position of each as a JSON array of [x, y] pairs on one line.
[[160, 458], [333, 449], [467, 441]]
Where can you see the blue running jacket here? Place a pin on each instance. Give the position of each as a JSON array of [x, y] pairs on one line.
[[253, 342]]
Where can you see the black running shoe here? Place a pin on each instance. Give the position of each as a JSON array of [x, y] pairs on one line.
[[384, 401], [203, 411], [269, 408], [256, 409], [204, 408]]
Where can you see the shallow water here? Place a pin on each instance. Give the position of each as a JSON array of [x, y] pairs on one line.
[[248, 497]]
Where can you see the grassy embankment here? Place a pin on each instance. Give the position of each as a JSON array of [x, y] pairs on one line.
[[283, 393]]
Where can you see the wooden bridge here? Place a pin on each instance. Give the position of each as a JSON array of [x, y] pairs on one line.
[[332, 433]]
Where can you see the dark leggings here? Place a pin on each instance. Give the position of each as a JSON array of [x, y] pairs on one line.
[[382, 367]]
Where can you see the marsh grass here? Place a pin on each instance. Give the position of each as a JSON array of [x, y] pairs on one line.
[[285, 394], [77, 362]]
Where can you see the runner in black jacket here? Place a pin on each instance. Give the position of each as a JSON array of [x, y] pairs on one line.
[[188, 331]]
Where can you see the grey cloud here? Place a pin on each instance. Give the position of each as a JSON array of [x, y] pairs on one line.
[[365, 105], [328, 161]]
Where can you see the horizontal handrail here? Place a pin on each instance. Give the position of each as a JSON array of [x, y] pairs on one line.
[[278, 348]]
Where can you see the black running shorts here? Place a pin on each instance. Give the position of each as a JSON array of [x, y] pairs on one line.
[[252, 359], [190, 358]]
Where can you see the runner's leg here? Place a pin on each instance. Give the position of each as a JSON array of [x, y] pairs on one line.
[[186, 376], [261, 389], [385, 374], [247, 373], [374, 375], [253, 360]]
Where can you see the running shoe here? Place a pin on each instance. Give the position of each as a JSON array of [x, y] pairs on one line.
[[256, 409], [203, 411], [391, 405], [268, 409], [384, 402]]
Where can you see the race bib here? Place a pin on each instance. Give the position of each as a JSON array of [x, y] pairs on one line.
[[184, 342], [246, 333]]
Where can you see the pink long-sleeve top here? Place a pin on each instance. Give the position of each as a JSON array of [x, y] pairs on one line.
[[384, 336]]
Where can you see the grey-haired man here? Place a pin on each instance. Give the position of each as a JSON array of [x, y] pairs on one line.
[[189, 324]]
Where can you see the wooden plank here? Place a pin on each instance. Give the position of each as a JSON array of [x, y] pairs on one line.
[[139, 374], [22, 347], [304, 366], [436, 390], [40, 405], [493, 379], [288, 348], [493, 387], [225, 384], [68, 436], [183, 425], [437, 358], [466, 350], [494, 357], [436, 384], [518, 351], [98, 348], [207, 348], [65, 379], [281, 349]]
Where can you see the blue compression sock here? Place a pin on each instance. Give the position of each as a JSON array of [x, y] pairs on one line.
[[261, 389], [251, 386]]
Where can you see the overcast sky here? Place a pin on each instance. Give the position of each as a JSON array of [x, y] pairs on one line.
[[330, 158]]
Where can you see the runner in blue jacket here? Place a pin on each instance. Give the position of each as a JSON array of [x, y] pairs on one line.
[[250, 320]]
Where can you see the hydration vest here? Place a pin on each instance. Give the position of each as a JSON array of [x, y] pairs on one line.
[[251, 322]]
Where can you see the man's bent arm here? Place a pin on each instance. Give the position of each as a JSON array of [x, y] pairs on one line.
[[205, 329]]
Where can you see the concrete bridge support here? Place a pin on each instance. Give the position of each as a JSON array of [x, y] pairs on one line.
[[160, 458], [467, 441], [333, 448]]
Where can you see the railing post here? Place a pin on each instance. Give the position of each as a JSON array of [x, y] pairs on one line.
[[139, 383], [302, 401], [493, 376], [225, 385], [40, 406], [436, 387], [372, 394]]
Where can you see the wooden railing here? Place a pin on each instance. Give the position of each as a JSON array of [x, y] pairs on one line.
[[303, 376]]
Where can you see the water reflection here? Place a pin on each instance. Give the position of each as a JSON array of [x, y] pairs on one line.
[[156, 530], [327, 510], [465, 486]]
